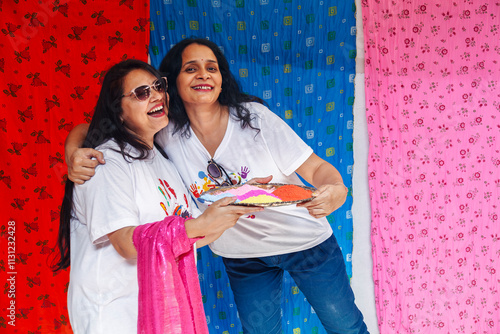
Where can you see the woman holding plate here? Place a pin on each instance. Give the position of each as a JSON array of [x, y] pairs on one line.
[[128, 234], [219, 136]]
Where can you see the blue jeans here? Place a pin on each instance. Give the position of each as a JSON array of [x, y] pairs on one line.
[[319, 273]]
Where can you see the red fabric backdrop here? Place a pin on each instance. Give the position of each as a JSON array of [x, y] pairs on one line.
[[53, 55]]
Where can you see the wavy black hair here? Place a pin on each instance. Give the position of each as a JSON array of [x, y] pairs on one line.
[[106, 124], [231, 94]]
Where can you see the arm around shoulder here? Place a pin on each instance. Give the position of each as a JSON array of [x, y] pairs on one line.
[[75, 139], [81, 166]]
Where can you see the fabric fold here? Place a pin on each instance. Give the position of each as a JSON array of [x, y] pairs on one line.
[[169, 291]]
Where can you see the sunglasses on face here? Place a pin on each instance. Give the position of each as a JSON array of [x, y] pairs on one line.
[[142, 93], [215, 171]]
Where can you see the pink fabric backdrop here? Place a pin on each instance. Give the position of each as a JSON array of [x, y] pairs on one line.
[[433, 109]]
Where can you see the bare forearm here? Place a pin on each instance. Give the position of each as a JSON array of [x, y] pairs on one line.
[[122, 241], [318, 172], [209, 238], [75, 139], [331, 192], [194, 229], [326, 174]]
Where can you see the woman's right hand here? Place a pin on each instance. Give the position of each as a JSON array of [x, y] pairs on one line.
[[217, 218], [81, 165]]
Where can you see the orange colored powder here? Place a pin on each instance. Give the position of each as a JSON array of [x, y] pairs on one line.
[[291, 192]]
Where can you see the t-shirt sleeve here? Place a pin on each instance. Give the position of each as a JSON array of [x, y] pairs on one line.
[[288, 150], [106, 202]]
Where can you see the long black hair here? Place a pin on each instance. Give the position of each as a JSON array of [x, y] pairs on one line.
[[106, 124], [231, 94]]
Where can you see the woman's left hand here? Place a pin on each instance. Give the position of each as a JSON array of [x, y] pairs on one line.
[[327, 198]]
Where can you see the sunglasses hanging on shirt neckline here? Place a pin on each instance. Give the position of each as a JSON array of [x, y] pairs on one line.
[[216, 171]]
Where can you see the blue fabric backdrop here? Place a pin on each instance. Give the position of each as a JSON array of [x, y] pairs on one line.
[[299, 56]]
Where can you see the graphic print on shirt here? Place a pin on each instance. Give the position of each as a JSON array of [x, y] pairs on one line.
[[172, 208], [206, 183], [244, 172]]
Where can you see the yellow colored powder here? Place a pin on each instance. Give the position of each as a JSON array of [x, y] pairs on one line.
[[261, 199]]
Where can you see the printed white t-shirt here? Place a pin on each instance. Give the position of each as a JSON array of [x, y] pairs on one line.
[[103, 288], [246, 153]]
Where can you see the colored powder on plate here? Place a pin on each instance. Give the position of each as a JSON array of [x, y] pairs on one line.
[[291, 192], [260, 199], [255, 193], [216, 196], [245, 189]]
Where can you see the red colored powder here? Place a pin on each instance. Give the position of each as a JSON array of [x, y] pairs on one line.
[[291, 192]]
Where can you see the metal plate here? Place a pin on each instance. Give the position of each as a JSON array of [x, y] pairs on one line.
[[267, 186]]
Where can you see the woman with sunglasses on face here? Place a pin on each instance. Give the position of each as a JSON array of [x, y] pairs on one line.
[[135, 203], [219, 135]]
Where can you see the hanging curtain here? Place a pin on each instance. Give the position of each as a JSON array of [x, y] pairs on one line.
[[53, 55], [433, 112], [300, 59]]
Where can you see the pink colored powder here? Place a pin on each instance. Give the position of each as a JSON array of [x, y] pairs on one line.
[[247, 188], [254, 193]]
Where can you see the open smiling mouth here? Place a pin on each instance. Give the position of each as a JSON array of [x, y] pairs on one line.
[[156, 111], [202, 88]]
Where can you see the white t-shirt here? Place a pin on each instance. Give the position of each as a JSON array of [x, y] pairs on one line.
[[103, 288], [245, 153]]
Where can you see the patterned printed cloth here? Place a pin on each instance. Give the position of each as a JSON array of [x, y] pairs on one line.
[[433, 109], [300, 58], [53, 55], [169, 292]]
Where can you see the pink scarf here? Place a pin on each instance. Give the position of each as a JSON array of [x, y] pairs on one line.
[[169, 291]]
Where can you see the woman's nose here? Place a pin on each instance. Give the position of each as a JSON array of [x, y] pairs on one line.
[[156, 95], [204, 74]]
